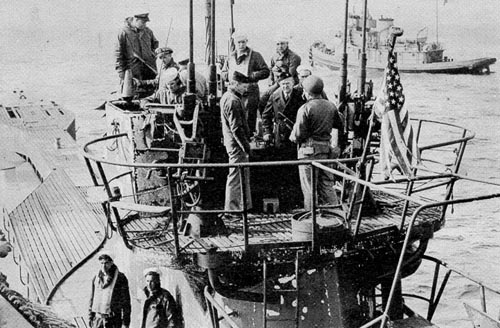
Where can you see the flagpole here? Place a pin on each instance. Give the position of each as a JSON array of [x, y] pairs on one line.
[[437, 22], [343, 75], [362, 64]]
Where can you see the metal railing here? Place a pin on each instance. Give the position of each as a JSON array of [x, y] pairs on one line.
[[343, 165]]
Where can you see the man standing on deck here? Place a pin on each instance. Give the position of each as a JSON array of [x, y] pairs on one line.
[[312, 133], [135, 48], [251, 64], [159, 309], [110, 297], [236, 139], [280, 113], [286, 56]]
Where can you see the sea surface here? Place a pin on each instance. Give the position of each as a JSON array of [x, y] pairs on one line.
[[63, 51]]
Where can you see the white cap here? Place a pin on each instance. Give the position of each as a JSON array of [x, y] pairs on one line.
[[171, 74], [282, 37], [301, 68], [151, 270], [239, 36]]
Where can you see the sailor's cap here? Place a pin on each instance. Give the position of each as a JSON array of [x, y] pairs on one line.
[[239, 36], [183, 62], [282, 37], [151, 271], [301, 68], [171, 74], [283, 76], [163, 50], [143, 16], [105, 254]]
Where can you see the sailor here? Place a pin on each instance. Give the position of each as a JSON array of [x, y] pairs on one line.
[[287, 56], [159, 309], [312, 133], [280, 113], [303, 71], [251, 64], [278, 68], [236, 140], [110, 296], [166, 61], [170, 90], [135, 48], [201, 81]]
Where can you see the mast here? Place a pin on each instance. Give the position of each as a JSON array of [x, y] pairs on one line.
[[362, 64], [437, 23], [212, 78], [191, 86], [343, 74]]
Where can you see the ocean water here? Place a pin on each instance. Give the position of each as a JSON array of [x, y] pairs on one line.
[[63, 51]]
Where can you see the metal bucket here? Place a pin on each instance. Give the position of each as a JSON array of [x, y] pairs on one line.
[[329, 225]]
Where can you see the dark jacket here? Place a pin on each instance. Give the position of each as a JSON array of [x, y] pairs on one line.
[[290, 59], [167, 313], [234, 125], [277, 104], [257, 67], [315, 121], [133, 43], [120, 300]]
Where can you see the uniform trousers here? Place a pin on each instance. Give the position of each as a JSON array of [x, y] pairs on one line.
[[233, 184], [325, 180]]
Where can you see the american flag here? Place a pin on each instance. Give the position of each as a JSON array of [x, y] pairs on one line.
[[398, 146]]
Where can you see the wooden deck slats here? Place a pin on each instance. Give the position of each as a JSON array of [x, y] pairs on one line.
[[55, 229], [269, 229]]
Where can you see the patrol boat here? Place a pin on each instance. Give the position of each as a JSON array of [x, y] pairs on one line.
[[161, 176], [415, 55]]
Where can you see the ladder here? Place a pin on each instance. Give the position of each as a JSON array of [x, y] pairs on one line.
[[265, 318]]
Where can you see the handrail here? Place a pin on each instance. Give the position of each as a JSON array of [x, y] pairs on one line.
[[209, 298], [383, 317]]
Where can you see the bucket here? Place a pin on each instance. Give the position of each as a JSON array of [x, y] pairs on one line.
[[330, 226]]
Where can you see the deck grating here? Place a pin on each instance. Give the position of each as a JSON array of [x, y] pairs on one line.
[[266, 228]]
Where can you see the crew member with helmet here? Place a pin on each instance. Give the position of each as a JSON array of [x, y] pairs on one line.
[[286, 56], [312, 132]]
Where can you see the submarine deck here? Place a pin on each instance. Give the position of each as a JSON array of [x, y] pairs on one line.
[[272, 229]]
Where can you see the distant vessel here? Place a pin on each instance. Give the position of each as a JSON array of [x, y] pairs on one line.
[[157, 178], [416, 55]]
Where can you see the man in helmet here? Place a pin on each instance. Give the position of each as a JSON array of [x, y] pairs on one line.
[[135, 48], [286, 56], [312, 132]]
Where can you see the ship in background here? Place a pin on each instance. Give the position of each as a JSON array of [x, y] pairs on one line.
[[415, 55], [161, 181]]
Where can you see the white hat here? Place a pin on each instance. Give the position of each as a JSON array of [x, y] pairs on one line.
[[238, 36], [151, 270], [171, 74], [304, 68], [282, 37]]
